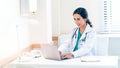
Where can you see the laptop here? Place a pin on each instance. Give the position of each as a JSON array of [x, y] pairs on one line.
[[50, 52]]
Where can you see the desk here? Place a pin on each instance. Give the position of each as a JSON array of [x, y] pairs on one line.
[[105, 62]]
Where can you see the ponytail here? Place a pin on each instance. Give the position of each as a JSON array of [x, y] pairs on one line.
[[88, 21]]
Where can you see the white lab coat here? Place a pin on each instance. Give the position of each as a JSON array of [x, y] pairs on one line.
[[86, 43]]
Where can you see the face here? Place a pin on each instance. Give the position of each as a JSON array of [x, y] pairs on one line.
[[80, 22]]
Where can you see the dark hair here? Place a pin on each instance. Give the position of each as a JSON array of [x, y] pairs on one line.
[[83, 12]]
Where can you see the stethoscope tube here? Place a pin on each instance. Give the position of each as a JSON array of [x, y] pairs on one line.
[[75, 35]]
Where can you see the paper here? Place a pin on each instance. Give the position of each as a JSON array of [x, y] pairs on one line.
[[90, 59]]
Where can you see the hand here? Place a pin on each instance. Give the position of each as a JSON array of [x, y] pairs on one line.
[[67, 55]]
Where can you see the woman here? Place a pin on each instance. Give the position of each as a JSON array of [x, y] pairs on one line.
[[82, 38]]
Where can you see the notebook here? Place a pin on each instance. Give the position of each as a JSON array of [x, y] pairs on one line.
[[50, 52]]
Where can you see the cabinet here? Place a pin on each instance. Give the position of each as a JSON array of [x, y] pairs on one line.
[[109, 44], [102, 45]]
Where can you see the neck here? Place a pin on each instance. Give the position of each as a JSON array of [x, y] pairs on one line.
[[82, 29]]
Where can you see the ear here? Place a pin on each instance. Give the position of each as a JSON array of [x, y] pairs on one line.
[[85, 20]]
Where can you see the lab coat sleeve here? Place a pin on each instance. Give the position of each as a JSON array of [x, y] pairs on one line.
[[66, 47], [87, 46]]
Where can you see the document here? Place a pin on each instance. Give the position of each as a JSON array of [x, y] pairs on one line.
[[90, 59]]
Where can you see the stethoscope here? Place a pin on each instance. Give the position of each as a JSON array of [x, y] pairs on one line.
[[75, 35], [74, 38]]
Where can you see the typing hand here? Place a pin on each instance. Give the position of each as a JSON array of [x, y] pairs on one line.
[[67, 55]]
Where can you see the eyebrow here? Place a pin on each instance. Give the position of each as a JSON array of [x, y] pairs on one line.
[[76, 18]]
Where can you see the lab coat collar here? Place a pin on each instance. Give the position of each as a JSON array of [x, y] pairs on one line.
[[87, 30]]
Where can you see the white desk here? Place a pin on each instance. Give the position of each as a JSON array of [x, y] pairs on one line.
[[104, 62]]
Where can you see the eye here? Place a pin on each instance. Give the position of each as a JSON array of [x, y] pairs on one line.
[[78, 19], [74, 19]]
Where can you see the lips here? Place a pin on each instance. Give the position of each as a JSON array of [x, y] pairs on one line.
[[78, 24]]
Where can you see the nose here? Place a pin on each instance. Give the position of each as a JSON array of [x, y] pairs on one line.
[[76, 21]]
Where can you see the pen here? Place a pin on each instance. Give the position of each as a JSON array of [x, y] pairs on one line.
[[90, 61]]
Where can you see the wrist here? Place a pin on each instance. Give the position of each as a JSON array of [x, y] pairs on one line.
[[72, 55]]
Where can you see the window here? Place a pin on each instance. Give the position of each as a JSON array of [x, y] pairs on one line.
[[111, 13], [28, 7], [33, 6]]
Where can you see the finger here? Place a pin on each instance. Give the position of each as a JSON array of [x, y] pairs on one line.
[[63, 56]]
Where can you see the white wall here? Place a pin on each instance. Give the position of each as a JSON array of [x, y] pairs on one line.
[[56, 17], [18, 32], [14, 33], [23, 34], [8, 36], [41, 32]]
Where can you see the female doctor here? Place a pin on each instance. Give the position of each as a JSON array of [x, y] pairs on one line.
[[82, 38]]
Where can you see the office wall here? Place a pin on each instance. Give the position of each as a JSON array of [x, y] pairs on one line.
[[56, 17], [18, 32], [41, 32], [39, 24], [14, 30], [7, 29], [62, 10], [9, 14]]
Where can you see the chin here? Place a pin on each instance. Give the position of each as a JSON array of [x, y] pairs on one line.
[[78, 26]]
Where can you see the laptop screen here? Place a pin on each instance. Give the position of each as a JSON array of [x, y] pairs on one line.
[[50, 52]]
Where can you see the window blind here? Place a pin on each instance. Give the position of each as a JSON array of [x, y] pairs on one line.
[[111, 13]]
